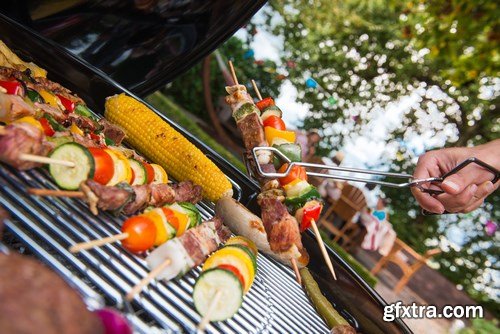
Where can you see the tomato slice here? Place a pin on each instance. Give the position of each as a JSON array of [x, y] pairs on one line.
[[310, 213], [264, 103], [150, 172], [275, 122], [235, 271], [297, 172], [47, 129], [104, 166], [141, 234]]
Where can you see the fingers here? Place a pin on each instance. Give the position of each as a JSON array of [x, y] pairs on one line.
[[464, 203], [428, 202]]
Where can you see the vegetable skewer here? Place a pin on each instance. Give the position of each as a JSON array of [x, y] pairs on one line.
[[281, 228], [312, 221]]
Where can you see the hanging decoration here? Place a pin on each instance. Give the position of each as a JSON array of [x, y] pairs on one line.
[[249, 54]]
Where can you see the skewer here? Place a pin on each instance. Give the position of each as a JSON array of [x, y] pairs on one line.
[[323, 249], [296, 270], [233, 73], [96, 243], [211, 307], [45, 160], [146, 280], [256, 89], [56, 193]]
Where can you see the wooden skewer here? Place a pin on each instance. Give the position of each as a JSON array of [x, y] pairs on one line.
[[233, 73], [296, 270], [256, 89], [96, 243], [45, 160], [56, 193], [145, 281], [211, 308], [323, 249]]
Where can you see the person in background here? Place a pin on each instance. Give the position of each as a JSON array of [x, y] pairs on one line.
[[466, 190]]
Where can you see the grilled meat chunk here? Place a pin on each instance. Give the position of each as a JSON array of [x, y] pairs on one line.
[[111, 131], [161, 194], [22, 138], [252, 130], [36, 300], [142, 199], [281, 227], [105, 197], [13, 107], [187, 191]]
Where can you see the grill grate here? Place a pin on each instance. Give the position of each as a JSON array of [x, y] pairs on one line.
[[48, 226]]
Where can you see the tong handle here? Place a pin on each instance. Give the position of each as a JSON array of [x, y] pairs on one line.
[[459, 167]]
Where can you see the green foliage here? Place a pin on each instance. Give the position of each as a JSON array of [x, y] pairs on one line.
[[181, 117], [187, 90], [371, 54], [482, 326]]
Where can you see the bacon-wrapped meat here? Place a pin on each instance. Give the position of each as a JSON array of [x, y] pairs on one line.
[[190, 249], [131, 199], [22, 138], [13, 107]]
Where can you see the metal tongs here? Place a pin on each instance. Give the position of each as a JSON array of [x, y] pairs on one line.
[[411, 182]]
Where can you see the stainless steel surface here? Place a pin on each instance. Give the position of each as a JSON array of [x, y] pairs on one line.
[[436, 181], [47, 226]]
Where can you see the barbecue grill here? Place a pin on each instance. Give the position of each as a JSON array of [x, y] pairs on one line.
[[47, 226]]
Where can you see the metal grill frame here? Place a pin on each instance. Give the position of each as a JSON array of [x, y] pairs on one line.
[[47, 226]]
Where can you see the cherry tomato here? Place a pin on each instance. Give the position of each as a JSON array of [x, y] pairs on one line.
[[141, 234], [275, 122], [104, 166], [297, 172], [150, 172], [234, 270], [264, 103], [47, 129]]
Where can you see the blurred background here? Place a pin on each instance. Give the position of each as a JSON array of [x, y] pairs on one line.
[[374, 84]]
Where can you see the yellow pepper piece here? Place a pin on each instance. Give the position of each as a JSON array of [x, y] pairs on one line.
[[30, 120], [161, 232], [272, 133], [50, 98], [160, 174], [287, 187], [183, 222], [76, 130], [235, 257], [123, 171]]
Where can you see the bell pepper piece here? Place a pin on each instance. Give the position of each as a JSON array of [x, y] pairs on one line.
[[272, 133], [264, 103], [67, 103], [47, 128], [76, 130], [30, 120], [297, 172], [49, 98], [34, 96], [12, 87], [310, 213]]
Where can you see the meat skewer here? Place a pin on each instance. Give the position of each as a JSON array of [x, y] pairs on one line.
[[312, 221], [281, 227], [128, 200], [181, 254]]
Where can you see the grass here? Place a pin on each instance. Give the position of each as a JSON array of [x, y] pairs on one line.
[[181, 117]]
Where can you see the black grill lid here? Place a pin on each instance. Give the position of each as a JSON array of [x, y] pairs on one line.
[[142, 44]]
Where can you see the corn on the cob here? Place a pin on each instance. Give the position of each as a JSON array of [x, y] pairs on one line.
[[161, 143]]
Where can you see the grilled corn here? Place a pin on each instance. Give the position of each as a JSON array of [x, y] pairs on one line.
[[161, 143]]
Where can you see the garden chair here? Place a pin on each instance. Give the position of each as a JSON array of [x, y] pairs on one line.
[[407, 259]]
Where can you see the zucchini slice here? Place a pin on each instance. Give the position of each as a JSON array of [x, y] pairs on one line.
[[69, 178], [140, 176], [214, 281]]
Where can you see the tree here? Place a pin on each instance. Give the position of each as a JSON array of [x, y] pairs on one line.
[[372, 55]]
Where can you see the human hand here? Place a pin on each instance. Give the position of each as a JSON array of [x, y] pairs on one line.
[[466, 190]]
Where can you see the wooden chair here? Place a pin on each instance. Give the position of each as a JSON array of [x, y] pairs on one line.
[[350, 202], [407, 259]]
